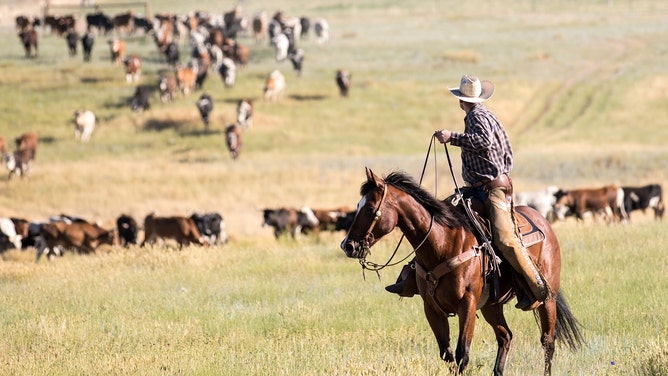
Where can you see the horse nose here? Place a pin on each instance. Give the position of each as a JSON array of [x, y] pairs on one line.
[[348, 246]]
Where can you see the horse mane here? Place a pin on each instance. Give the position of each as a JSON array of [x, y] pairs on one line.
[[444, 214]]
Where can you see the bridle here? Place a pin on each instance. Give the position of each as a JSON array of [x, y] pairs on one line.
[[368, 238]]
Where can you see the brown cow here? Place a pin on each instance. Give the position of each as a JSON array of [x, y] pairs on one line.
[[132, 68], [187, 79], [117, 49], [182, 229], [274, 86], [84, 237], [20, 161], [29, 40], [607, 201], [124, 22], [233, 140]]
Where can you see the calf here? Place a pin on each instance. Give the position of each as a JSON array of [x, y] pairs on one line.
[[72, 39], [182, 229], [29, 40], [168, 87], [274, 86], [245, 113], [233, 140], [140, 100], [83, 237], [87, 41], [641, 198], [205, 106], [132, 68], [117, 49], [343, 81], [84, 124], [127, 230], [211, 226]]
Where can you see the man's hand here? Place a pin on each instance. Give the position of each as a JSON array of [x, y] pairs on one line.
[[443, 135]]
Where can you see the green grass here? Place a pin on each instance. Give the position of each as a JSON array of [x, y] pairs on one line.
[[581, 88]]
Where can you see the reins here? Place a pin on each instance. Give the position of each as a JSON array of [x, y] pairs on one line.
[[374, 267]]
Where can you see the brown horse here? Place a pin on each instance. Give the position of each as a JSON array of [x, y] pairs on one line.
[[452, 280]]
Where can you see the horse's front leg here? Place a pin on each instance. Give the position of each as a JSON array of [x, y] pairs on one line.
[[439, 325], [467, 317], [494, 316]]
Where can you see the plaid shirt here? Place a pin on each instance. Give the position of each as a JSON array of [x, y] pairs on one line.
[[486, 150]]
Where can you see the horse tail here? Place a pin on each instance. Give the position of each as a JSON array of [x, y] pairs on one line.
[[567, 329]]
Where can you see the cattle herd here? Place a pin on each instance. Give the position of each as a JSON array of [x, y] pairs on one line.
[[60, 233], [611, 203], [213, 46]]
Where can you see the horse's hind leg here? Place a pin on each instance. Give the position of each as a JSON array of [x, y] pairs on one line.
[[441, 329], [494, 316], [548, 319]]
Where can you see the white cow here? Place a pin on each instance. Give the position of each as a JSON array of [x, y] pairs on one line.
[[245, 113], [84, 124], [321, 28], [281, 43], [7, 229], [274, 86], [543, 200]]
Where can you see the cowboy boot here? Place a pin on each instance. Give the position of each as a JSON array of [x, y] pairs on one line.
[[406, 285]]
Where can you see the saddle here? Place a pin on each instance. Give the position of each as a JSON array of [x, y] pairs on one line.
[[529, 233]]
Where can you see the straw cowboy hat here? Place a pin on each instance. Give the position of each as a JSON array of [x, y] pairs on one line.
[[472, 90]]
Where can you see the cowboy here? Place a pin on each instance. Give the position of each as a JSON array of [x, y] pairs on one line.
[[487, 159]]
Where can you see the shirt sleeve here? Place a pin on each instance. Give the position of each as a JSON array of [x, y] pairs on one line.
[[477, 135]]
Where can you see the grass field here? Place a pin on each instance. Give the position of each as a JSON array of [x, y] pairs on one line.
[[581, 87]]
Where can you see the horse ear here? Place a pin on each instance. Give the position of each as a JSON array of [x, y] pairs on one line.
[[369, 174]]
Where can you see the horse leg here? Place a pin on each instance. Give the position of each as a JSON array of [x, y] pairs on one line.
[[466, 326], [494, 316], [548, 319], [441, 329]]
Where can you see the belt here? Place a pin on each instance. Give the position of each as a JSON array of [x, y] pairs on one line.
[[502, 181]]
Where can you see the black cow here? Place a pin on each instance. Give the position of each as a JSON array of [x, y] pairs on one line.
[[343, 223], [87, 41], [140, 100], [211, 226], [72, 39], [205, 106], [343, 82], [641, 198], [100, 21], [306, 25], [171, 52], [297, 59], [127, 230], [143, 23]]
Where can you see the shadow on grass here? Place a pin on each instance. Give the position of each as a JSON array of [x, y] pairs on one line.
[[304, 98]]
